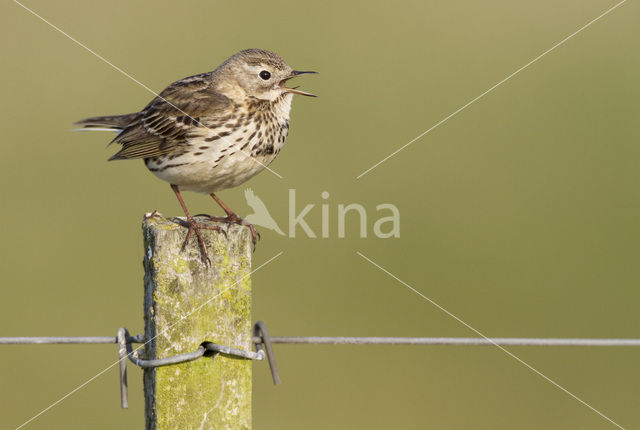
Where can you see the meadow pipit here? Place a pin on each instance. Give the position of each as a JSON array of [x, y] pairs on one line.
[[211, 131]]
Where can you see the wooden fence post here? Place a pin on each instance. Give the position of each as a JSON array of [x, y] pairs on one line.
[[186, 303]]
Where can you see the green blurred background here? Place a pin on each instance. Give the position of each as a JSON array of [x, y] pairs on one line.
[[519, 215]]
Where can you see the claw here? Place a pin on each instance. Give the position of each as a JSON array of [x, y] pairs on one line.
[[255, 235], [194, 226], [235, 219], [232, 218]]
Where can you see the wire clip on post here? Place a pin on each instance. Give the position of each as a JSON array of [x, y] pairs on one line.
[[206, 349], [261, 337]]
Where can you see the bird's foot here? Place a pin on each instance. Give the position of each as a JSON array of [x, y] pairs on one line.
[[232, 218], [195, 226]]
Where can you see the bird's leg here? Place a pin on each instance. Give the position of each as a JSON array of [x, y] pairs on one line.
[[194, 226], [232, 218]]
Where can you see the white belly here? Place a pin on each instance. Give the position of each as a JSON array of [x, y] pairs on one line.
[[222, 162]]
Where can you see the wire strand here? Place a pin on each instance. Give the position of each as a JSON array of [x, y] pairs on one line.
[[350, 340], [473, 341]]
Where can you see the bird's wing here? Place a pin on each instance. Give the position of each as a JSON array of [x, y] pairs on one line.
[[180, 112]]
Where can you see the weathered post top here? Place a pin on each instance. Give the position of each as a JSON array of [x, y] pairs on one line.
[[185, 304]]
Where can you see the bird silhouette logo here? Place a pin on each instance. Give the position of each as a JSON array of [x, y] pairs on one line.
[[260, 215]]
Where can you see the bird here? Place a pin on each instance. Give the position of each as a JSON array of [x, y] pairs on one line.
[[260, 215], [211, 131]]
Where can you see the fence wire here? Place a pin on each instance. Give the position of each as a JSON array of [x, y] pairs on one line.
[[347, 340], [263, 347], [504, 341]]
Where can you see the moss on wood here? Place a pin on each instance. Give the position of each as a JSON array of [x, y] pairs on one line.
[[185, 304]]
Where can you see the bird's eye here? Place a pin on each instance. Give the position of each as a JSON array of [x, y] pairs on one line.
[[265, 75]]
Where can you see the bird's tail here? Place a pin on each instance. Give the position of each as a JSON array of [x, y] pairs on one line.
[[112, 122]]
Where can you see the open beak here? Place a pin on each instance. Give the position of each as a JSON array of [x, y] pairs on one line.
[[295, 90]]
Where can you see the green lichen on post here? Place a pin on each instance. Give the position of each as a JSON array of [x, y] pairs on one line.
[[185, 304]]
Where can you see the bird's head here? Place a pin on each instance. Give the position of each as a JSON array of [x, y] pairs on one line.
[[260, 74]]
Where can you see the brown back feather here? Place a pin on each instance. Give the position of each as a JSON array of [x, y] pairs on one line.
[[181, 111], [164, 126]]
